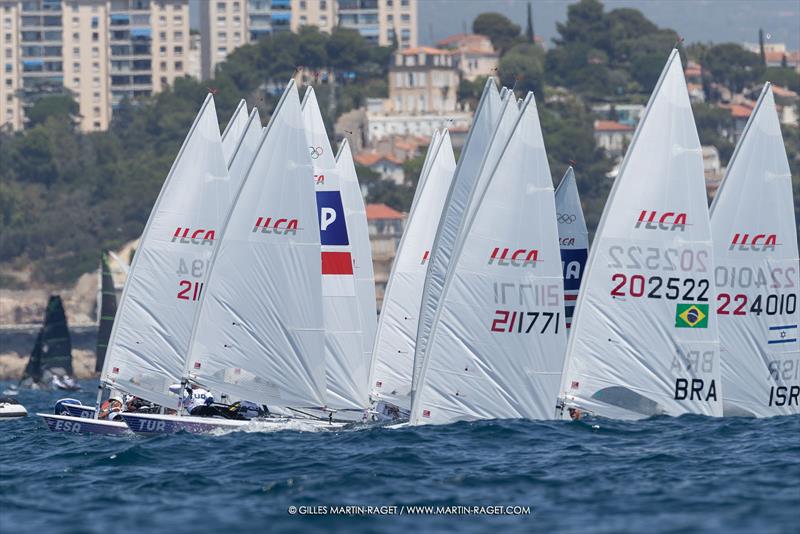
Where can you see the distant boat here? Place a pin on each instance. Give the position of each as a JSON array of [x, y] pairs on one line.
[[50, 363], [107, 311], [755, 250], [573, 238], [11, 409], [644, 340], [497, 342], [393, 358]]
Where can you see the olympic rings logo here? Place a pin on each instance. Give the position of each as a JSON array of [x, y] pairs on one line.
[[566, 218], [316, 151]]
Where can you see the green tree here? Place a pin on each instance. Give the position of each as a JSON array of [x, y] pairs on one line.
[[523, 67], [60, 106], [734, 66], [502, 32]]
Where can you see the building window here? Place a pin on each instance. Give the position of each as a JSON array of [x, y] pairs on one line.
[[76, 82], [303, 4], [76, 37], [164, 81], [163, 65], [9, 53], [95, 22], [179, 66], [95, 36], [221, 20], [236, 7], [9, 67], [76, 66], [178, 36], [220, 7], [323, 4], [76, 52], [162, 51], [162, 20], [178, 50], [177, 19], [8, 37], [95, 52], [96, 125], [76, 21], [96, 98], [96, 111], [222, 36], [162, 36]]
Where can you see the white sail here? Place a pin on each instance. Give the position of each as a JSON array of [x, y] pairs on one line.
[[358, 230], [234, 130], [497, 345], [573, 238], [755, 250], [259, 334], [346, 364], [151, 332], [481, 132], [390, 379], [644, 340]]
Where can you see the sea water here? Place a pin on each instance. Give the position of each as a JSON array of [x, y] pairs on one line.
[[686, 474]]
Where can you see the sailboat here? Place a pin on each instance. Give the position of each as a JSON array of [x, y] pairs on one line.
[[644, 337], [50, 363], [151, 331], [497, 344], [358, 230], [573, 238], [390, 377], [755, 250], [107, 311], [347, 366], [258, 334], [487, 115]]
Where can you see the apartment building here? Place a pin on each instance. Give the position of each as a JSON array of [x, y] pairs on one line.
[[227, 24], [100, 51], [10, 78]]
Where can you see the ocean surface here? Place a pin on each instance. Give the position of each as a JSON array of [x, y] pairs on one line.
[[687, 474]]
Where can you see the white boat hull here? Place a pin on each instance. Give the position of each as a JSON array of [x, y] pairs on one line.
[[170, 424], [12, 410], [83, 425]]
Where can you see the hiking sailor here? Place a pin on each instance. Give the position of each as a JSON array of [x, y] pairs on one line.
[[110, 410], [194, 399]]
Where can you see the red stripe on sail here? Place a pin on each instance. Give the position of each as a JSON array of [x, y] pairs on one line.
[[337, 263]]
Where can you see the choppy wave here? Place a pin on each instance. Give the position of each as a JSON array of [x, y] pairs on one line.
[[660, 475]]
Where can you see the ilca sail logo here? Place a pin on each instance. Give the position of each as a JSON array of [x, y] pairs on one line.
[[276, 225], [521, 257], [754, 243], [199, 236], [668, 220]]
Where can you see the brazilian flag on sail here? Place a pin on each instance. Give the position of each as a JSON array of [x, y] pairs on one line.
[[691, 316]]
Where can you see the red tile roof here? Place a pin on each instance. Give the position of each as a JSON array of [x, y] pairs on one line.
[[738, 111], [369, 159], [611, 126], [424, 50], [382, 211]]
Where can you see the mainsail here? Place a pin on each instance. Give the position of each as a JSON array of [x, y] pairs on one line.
[[346, 363], [755, 251], [52, 350], [573, 238], [108, 309], [644, 340], [497, 344], [358, 229], [258, 334], [234, 130], [390, 379], [481, 132], [150, 337]]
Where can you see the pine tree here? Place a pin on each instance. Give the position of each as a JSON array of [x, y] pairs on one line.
[[761, 46], [529, 30]]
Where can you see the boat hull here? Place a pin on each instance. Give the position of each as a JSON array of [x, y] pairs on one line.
[[170, 424], [12, 411], [76, 410], [83, 425]]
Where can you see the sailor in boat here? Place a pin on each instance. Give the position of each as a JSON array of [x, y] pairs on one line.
[[110, 409], [199, 402]]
